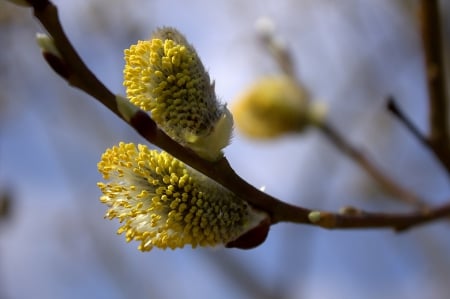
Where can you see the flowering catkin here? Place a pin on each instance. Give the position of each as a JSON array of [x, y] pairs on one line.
[[165, 77]]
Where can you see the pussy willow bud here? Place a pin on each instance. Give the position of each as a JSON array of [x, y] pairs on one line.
[[163, 203], [274, 106], [165, 76]]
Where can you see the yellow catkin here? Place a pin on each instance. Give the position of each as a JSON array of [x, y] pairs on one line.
[[163, 203], [165, 77]]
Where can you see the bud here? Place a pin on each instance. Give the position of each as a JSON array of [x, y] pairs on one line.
[[165, 76], [274, 106]]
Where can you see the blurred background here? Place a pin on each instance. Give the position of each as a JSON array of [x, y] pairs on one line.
[[351, 54]]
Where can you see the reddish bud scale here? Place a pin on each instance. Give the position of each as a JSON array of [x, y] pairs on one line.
[[253, 237]]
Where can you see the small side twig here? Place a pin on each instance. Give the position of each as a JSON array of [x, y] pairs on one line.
[[395, 110], [386, 182], [398, 221], [276, 46]]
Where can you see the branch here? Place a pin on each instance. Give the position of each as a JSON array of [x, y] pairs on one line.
[[441, 156], [386, 182], [361, 219], [395, 110], [439, 136], [276, 46], [69, 65], [282, 56]]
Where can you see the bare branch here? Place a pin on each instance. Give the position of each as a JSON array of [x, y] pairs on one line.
[[395, 110], [439, 137], [385, 182], [397, 221]]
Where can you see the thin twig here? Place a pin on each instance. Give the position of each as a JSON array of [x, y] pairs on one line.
[[398, 221], [439, 136], [395, 110], [386, 182], [276, 46], [282, 56], [78, 75]]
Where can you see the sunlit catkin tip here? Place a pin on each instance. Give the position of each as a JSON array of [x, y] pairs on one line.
[[163, 203], [271, 107], [165, 77]]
